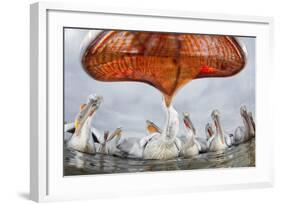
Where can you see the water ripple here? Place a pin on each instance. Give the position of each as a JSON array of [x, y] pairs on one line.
[[77, 163]]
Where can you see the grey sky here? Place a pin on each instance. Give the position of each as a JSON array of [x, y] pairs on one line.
[[129, 104]]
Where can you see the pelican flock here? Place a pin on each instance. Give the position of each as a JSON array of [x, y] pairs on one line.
[[157, 143]]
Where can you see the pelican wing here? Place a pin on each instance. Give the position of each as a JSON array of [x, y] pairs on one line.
[[126, 144], [146, 139]]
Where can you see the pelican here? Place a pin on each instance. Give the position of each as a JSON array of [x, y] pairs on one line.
[[133, 147], [210, 132], [216, 140], [165, 145], [246, 132], [82, 139], [110, 143], [191, 146]]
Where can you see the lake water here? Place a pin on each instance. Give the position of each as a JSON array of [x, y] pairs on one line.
[[77, 163]]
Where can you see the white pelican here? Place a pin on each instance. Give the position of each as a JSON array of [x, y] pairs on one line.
[[191, 145], [82, 139], [210, 132], [217, 140], [165, 145], [133, 147], [246, 132]]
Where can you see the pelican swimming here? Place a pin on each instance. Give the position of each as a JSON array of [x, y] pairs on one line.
[[210, 133], [216, 140], [191, 146], [166, 144], [96, 135], [133, 147], [246, 132], [82, 139]]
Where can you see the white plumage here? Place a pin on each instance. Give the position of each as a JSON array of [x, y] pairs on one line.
[[246, 132], [217, 141], [165, 145], [82, 139]]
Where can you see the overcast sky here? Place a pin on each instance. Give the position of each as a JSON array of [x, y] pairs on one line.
[[130, 104]]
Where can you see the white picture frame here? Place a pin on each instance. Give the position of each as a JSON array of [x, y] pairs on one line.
[[47, 182]]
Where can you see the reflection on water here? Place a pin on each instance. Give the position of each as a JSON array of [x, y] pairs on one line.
[[77, 163]]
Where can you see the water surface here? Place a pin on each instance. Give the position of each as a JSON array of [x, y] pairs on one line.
[[77, 163]]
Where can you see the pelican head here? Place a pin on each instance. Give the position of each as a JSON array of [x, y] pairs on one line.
[[151, 127], [117, 132], [243, 111], [87, 110], [215, 114], [187, 122]]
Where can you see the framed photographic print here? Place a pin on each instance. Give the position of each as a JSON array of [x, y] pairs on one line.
[[122, 98]]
